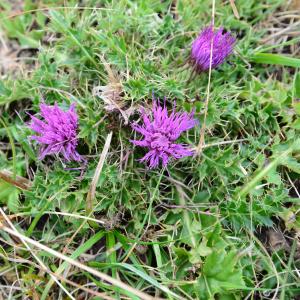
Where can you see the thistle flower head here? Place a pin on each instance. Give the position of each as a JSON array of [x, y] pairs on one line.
[[223, 44], [160, 132], [57, 133]]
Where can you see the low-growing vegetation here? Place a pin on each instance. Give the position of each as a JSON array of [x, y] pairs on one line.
[[219, 222]]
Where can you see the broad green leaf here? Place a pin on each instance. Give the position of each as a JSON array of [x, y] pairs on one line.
[[296, 124], [220, 274], [9, 195]]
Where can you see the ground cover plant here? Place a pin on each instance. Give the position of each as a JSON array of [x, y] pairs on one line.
[[97, 216]]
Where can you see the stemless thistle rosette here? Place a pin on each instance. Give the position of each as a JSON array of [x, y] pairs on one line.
[[160, 132], [222, 43], [57, 132]]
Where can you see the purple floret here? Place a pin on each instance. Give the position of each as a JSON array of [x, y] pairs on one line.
[[57, 133], [223, 44], [161, 131]]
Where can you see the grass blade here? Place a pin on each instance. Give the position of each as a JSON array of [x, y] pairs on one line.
[[81, 249], [77, 264], [275, 59]]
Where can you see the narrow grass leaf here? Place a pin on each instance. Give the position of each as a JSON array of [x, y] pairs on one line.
[[275, 59], [81, 249], [142, 275]]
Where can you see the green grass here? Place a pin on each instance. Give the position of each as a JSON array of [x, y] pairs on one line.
[[196, 230]]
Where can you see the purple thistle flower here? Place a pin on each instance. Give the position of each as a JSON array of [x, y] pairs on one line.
[[160, 133], [57, 134], [222, 47]]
